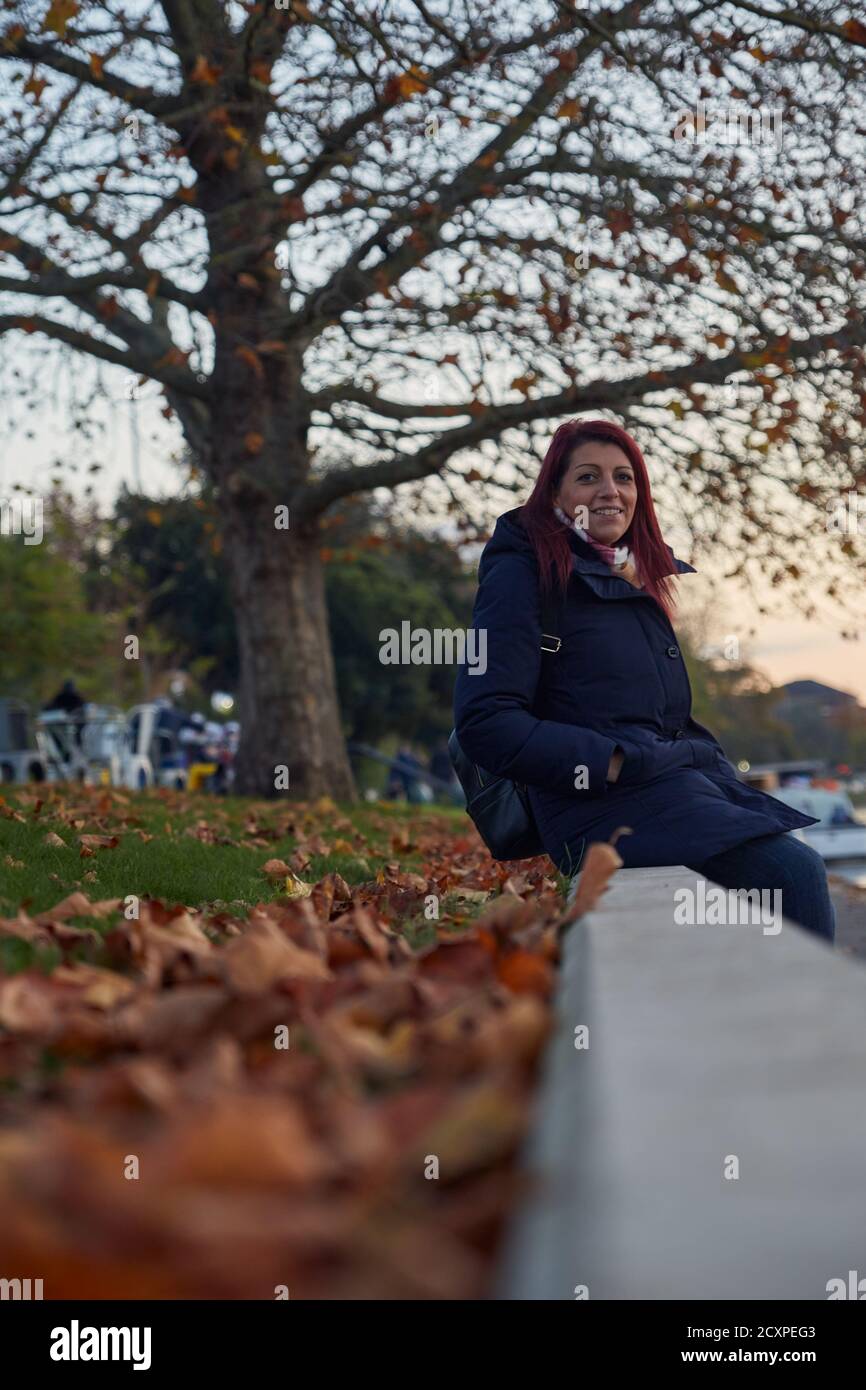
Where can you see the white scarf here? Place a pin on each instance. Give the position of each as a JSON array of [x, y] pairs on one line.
[[619, 557]]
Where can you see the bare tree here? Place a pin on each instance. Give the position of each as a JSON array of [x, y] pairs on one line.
[[363, 243]]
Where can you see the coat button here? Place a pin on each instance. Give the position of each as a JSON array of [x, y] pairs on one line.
[[673, 651]]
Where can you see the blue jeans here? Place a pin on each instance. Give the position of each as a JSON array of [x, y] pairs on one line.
[[778, 861]]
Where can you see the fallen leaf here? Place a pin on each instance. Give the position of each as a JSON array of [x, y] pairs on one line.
[[99, 841], [600, 864], [275, 868], [296, 888], [264, 955]]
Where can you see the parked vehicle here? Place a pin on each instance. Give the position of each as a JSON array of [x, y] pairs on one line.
[[839, 834], [153, 753], [20, 761], [153, 744], [84, 746]]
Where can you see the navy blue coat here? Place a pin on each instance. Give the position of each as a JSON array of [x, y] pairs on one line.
[[618, 681]]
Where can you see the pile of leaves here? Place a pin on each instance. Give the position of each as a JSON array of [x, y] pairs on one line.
[[322, 1098]]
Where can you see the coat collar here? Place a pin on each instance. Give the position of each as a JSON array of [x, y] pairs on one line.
[[585, 562], [510, 535]]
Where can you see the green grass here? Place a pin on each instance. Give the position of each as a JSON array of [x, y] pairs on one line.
[[178, 868]]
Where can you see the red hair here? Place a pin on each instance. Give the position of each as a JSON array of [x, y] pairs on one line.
[[550, 537]]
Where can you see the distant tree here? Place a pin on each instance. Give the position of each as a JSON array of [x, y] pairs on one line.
[[168, 552], [372, 588], [172, 550], [50, 627]]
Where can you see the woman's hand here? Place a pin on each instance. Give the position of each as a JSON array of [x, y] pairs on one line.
[[617, 759]]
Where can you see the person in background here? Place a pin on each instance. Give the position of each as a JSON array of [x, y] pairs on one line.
[[67, 698], [403, 779], [71, 702], [193, 737], [441, 767]]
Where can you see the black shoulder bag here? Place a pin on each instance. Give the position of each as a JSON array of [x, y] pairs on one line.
[[499, 807]]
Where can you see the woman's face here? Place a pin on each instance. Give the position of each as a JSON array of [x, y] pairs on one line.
[[598, 487]]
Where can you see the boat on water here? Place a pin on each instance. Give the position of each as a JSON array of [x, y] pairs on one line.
[[838, 834]]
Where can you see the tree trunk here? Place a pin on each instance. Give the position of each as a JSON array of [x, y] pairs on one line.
[[289, 711]]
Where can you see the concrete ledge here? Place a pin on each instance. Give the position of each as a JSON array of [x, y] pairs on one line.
[[704, 1042]]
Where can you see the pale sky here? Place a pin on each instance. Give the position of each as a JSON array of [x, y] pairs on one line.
[[786, 649]]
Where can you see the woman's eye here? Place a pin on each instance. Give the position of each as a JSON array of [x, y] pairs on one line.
[[591, 478]]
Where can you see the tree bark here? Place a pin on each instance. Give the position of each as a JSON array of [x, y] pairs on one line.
[[289, 710]]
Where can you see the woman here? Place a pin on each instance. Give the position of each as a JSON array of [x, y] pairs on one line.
[[600, 730]]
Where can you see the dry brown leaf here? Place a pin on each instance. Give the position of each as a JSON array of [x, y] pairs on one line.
[[28, 1004], [599, 866], [101, 989], [244, 1141], [264, 955], [276, 868]]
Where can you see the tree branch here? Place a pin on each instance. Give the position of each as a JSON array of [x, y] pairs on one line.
[[314, 496], [139, 363], [142, 98]]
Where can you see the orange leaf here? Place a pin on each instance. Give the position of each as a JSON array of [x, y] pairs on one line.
[[275, 868], [252, 359], [173, 358], [523, 972], [619, 221], [599, 866], [855, 31], [203, 71], [60, 12], [725, 282], [263, 955], [410, 82], [36, 85], [260, 71]]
